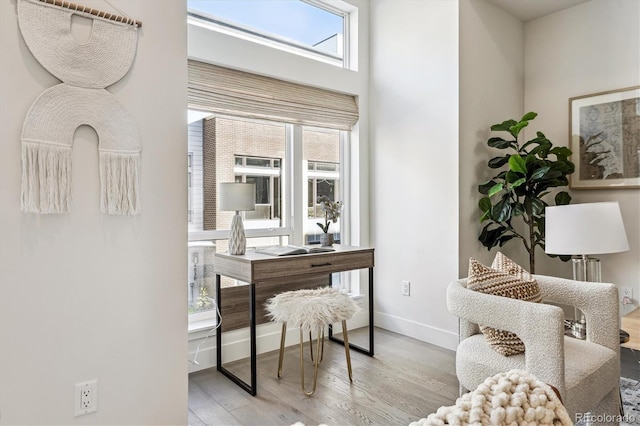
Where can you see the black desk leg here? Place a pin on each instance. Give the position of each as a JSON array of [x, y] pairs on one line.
[[351, 345], [252, 389], [252, 327], [219, 331]]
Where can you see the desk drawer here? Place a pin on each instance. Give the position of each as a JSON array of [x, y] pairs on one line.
[[235, 300], [323, 263]]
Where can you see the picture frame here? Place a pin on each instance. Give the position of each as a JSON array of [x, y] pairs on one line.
[[604, 136]]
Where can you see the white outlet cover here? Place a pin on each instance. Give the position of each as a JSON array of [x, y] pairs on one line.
[[86, 398]]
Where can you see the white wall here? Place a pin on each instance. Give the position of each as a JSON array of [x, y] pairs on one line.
[[90, 296], [491, 91], [589, 48], [414, 181]]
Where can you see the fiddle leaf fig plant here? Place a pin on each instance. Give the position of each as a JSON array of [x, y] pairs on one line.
[[527, 174]]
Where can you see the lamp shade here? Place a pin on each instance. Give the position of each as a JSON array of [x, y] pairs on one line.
[[236, 196], [584, 229]]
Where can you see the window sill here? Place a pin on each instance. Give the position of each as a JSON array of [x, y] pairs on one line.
[[199, 329]]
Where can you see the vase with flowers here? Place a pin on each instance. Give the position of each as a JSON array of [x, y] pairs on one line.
[[331, 210]]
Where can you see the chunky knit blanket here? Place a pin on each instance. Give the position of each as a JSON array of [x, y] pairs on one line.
[[513, 398]]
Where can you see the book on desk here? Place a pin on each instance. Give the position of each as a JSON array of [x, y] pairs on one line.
[[290, 250]]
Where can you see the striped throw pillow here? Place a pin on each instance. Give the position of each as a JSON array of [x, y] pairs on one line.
[[507, 279]]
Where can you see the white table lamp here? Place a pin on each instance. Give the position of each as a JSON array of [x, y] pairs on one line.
[[583, 230], [236, 196]]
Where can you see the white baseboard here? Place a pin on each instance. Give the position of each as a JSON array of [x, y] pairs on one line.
[[236, 346], [423, 332]]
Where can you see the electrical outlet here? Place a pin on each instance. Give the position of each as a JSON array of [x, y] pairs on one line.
[[406, 288], [627, 292], [86, 397]]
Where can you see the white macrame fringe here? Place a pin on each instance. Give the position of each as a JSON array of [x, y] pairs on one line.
[[46, 178], [119, 183]]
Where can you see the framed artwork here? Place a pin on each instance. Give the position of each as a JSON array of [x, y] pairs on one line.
[[604, 132]]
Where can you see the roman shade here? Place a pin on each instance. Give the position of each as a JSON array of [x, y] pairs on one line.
[[222, 90]]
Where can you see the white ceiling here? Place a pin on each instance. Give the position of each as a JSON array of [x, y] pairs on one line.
[[527, 10]]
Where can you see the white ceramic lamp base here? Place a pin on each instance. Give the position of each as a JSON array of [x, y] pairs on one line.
[[237, 240]]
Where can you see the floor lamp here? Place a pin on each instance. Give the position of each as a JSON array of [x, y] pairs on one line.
[[582, 230], [237, 196]]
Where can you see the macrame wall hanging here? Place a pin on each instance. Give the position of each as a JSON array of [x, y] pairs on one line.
[[81, 99]]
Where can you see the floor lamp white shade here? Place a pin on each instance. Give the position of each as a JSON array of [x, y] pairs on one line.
[[237, 196]]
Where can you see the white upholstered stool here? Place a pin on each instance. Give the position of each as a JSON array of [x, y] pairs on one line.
[[312, 310]]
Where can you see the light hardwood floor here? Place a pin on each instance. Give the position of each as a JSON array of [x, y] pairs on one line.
[[406, 380]]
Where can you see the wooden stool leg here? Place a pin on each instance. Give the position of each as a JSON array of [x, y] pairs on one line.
[[346, 348], [315, 365], [283, 336]]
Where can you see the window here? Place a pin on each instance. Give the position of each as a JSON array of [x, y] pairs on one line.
[[257, 151], [194, 174], [260, 152], [310, 28], [268, 191], [322, 155], [291, 140], [190, 185], [239, 150]]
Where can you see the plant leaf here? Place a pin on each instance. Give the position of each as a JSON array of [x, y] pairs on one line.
[[562, 198], [537, 206], [485, 187], [517, 209], [504, 126], [529, 116], [511, 177], [485, 204], [499, 143], [537, 141], [540, 173], [497, 162], [495, 189], [516, 128], [501, 211], [561, 151], [489, 237], [518, 182], [517, 164], [542, 150]]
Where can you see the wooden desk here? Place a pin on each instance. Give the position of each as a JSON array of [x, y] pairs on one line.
[[631, 324], [262, 270]]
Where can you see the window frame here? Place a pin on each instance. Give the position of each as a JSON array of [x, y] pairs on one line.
[[294, 207], [238, 30]]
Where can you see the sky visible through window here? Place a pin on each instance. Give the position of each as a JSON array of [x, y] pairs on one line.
[[292, 19]]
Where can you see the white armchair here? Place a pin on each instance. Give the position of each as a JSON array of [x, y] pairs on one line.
[[585, 372]]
